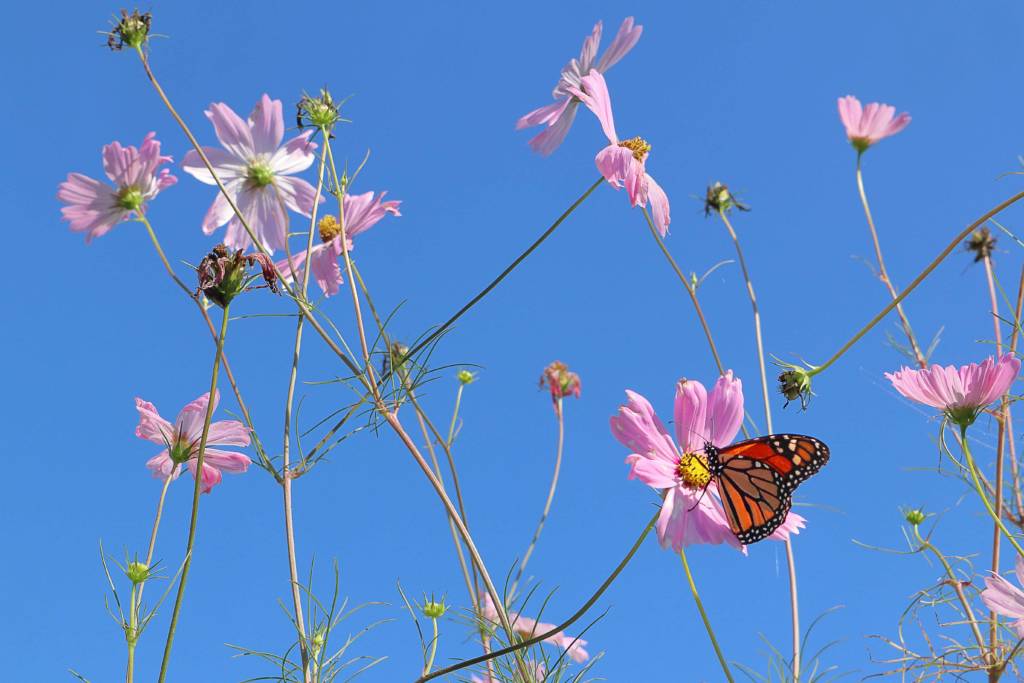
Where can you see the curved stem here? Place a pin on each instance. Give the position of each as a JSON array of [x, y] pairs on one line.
[[883, 274], [981, 492], [704, 617], [196, 492], [433, 650], [551, 496], [918, 280], [152, 534], [560, 627]]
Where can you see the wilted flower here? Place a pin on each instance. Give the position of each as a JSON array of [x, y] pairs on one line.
[[131, 30], [256, 170], [719, 198], [528, 628], [181, 441], [560, 382], [982, 243], [692, 512], [1005, 599], [362, 212], [223, 275], [866, 126], [319, 112], [623, 162], [795, 383], [558, 116], [93, 207], [961, 393]]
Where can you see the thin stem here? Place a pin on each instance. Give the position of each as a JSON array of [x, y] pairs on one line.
[[1000, 444], [156, 526], [559, 413], [690, 289], [560, 627], [704, 617], [132, 636], [1007, 412], [957, 587], [918, 280], [196, 492], [455, 415], [433, 650], [794, 603], [883, 274], [981, 492]]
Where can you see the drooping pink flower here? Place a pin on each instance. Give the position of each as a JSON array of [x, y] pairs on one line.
[[691, 512], [528, 628], [93, 207], [867, 125], [962, 393], [181, 441], [362, 212], [558, 116], [1005, 599], [623, 162], [256, 169]]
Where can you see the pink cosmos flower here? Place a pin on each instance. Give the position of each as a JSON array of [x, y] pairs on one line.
[[528, 628], [362, 212], [93, 207], [692, 512], [181, 441], [623, 162], [558, 116], [1005, 599], [866, 126], [962, 392], [256, 170]]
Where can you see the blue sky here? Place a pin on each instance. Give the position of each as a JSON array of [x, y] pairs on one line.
[[740, 92]]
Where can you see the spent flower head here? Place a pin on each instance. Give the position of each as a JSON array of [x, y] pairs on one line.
[[981, 243], [795, 383], [223, 274], [130, 30], [719, 198], [321, 112], [560, 382]]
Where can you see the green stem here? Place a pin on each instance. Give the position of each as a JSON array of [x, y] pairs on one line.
[[196, 492], [455, 415], [132, 637], [433, 650], [704, 617], [560, 627], [981, 492], [918, 280]]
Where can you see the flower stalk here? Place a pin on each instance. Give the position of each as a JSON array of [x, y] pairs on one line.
[[704, 617]]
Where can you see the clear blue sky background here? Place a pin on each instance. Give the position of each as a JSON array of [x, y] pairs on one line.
[[741, 92]]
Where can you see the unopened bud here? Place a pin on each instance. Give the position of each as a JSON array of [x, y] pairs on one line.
[[914, 516], [434, 609], [982, 243], [137, 572], [465, 377], [719, 198]]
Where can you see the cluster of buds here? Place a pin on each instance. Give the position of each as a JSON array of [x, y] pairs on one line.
[[719, 198], [982, 243], [560, 382], [318, 112], [223, 275], [131, 30], [795, 383]]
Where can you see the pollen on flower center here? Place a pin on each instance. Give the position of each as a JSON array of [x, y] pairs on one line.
[[259, 174], [693, 470], [129, 198], [638, 146], [329, 228]]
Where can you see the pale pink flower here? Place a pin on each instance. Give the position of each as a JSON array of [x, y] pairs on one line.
[[1005, 599], [181, 441], [691, 512], [256, 169], [867, 125], [558, 116], [962, 393], [362, 212], [93, 207], [623, 162], [528, 628]]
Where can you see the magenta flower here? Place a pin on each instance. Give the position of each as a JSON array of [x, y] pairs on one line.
[[692, 512], [558, 116], [181, 441], [362, 212], [1005, 599], [528, 628], [960, 393], [93, 207], [623, 162], [256, 170], [866, 126]]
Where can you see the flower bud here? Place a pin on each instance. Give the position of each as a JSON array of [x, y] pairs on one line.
[[719, 198], [137, 572], [561, 383], [317, 642], [914, 516], [465, 377], [131, 30], [434, 609], [982, 243], [224, 275]]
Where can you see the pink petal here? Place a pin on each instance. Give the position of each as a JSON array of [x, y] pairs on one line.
[[226, 165], [656, 473], [689, 415], [791, 525], [267, 125], [638, 428], [151, 426], [659, 206], [162, 466], [545, 115], [326, 270], [363, 211], [220, 211], [692, 518], [624, 41], [725, 409], [589, 49], [614, 163], [226, 460], [231, 130], [295, 156], [190, 420], [211, 475], [228, 433], [298, 195], [594, 94]]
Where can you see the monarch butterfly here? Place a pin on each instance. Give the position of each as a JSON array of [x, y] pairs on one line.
[[756, 479]]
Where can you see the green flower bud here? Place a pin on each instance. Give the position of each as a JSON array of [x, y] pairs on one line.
[[465, 377], [914, 516], [434, 610], [137, 572]]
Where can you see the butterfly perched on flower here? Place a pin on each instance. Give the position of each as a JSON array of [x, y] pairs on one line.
[[756, 479]]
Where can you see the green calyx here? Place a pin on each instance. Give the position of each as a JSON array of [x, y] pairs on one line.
[[130, 198]]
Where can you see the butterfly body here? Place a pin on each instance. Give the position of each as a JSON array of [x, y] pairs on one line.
[[756, 479]]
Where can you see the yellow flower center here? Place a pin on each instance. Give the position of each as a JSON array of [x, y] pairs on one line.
[[693, 470], [329, 228], [638, 146]]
